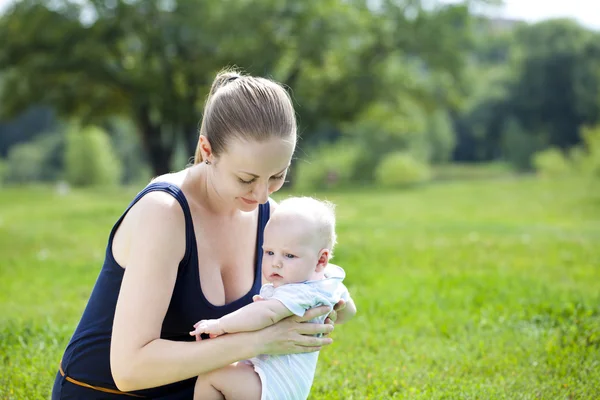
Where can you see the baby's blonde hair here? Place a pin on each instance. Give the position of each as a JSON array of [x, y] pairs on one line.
[[321, 212]]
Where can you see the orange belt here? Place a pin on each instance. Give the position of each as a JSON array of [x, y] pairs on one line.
[[100, 389]]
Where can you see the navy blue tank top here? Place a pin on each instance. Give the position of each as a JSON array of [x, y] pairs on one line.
[[87, 356]]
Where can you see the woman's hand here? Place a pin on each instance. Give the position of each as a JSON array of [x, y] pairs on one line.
[[295, 335], [333, 315]]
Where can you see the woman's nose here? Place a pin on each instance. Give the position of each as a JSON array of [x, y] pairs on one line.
[[261, 193]]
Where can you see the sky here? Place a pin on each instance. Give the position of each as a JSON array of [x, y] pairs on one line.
[[586, 12]]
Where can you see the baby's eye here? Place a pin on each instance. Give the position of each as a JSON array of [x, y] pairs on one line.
[[290, 256], [269, 252]]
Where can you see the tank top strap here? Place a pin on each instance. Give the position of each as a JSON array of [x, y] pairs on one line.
[[177, 193], [264, 213], [264, 216]]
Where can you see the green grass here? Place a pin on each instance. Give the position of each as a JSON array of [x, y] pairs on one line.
[[477, 290]]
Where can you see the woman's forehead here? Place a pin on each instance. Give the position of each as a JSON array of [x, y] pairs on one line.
[[259, 157]]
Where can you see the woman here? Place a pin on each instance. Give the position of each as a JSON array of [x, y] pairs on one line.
[[188, 248]]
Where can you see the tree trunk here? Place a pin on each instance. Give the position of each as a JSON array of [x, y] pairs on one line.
[[157, 146], [190, 139]]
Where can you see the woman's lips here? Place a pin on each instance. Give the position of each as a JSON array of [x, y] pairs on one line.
[[249, 201]]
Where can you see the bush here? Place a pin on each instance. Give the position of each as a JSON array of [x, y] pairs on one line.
[[587, 159], [437, 143], [384, 128], [551, 163], [331, 166], [2, 171], [401, 169], [519, 146], [127, 146], [90, 159], [35, 161]]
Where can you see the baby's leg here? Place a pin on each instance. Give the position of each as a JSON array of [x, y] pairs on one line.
[[234, 382]]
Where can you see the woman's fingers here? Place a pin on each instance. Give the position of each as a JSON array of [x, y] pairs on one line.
[[340, 305], [332, 317], [314, 329], [313, 313], [313, 341]]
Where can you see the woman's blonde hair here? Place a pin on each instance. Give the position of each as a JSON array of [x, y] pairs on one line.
[[245, 107]]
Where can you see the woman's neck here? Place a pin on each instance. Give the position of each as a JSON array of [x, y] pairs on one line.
[[205, 195]]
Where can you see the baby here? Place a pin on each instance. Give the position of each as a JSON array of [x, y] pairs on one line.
[[298, 243]]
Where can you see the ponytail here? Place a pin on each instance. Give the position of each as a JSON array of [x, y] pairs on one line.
[[223, 78]]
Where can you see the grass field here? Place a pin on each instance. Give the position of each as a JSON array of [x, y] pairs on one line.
[[478, 290]]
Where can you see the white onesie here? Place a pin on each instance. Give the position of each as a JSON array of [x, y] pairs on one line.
[[290, 376]]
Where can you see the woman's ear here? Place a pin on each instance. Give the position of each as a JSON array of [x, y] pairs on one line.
[[205, 148], [323, 260]]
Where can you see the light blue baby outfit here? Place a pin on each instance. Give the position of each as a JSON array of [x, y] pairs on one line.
[[290, 376]]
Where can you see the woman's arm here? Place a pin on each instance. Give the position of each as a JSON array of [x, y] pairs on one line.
[[139, 358]]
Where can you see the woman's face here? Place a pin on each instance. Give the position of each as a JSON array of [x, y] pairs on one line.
[[249, 171]]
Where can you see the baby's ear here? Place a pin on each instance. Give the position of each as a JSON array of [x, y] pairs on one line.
[[323, 260]]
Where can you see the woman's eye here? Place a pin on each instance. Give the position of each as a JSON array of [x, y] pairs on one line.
[[246, 182], [279, 177]]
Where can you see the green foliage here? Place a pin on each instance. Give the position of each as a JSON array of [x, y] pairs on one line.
[[126, 144], [473, 171], [2, 170], [439, 139], [518, 146], [551, 163], [158, 74], [90, 158], [25, 163], [557, 81], [329, 166], [38, 160], [588, 160], [583, 160], [401, 169], [385, 128], [481, 290]]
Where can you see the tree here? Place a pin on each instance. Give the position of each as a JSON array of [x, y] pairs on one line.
[[556, 88], [154, 60]]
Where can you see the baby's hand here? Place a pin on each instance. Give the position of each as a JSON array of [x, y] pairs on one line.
[[210, 326]]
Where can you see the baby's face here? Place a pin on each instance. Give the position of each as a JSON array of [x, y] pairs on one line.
[[290, 252]]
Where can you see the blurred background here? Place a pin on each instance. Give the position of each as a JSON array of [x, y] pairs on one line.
[[387, 92], [460, 142]]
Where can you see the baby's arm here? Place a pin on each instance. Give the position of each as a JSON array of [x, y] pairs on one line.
[[253, 317], [347, 312]]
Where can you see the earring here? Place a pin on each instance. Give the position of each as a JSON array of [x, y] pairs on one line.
[[206, 162]]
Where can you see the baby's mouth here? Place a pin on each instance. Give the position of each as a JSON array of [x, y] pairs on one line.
[[276, 276]]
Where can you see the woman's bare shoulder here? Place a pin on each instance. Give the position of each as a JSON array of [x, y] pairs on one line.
[[157, 213]]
